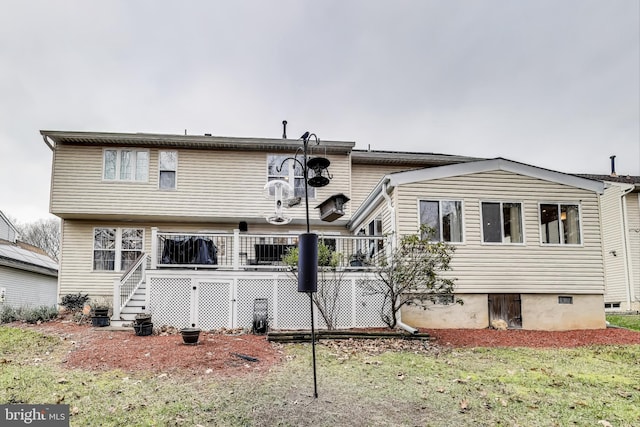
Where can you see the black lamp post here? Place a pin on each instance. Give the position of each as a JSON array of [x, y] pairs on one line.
[[308, 242]]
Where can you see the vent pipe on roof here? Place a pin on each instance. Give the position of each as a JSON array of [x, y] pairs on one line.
[[284, 129], [613, 166]]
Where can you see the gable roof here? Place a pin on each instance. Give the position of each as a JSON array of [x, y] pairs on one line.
[[499, 163], [426, 174]]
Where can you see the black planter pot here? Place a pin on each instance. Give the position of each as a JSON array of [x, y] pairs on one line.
[[144, 329], [190, 335], [143, 318], [100, 312], [100, 321]]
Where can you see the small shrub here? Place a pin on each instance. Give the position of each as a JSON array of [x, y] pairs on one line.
[[8, 315], [39, 314], [74, 302], [28, 314]]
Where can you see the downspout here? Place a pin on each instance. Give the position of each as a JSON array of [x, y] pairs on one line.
[[46, 141], [392, 213]]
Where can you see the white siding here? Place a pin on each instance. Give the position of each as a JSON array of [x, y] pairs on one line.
[[25, 288], [633, 225], [528, 268], [613, 240], [228, 185], [365, 177], [76, 264]]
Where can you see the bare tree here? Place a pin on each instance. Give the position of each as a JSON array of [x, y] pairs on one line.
[[326, 297], [43, 233], [411, 276]]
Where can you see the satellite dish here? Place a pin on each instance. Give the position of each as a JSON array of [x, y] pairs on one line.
[[282, 190]]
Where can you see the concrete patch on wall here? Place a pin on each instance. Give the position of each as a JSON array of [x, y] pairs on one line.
[[562, 312], [473, 314]]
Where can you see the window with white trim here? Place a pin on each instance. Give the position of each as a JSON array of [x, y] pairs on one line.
[[444, 217], [116, 247], [290, 172], [167, 170], [502, 222], [560, 223], [126, 164]]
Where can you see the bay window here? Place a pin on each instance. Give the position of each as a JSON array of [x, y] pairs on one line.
[[502, 222], [124, 164], [560, 223], [116, 249], [444, 217]]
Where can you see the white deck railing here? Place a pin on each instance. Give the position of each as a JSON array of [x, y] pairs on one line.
[[244, 251]]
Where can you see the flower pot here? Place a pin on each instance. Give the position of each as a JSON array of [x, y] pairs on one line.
[[190, 335], [143, 318], [100, 312], [144, 329], [100, 321]]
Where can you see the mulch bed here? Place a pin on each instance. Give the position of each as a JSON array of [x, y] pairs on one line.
[[224, 353]]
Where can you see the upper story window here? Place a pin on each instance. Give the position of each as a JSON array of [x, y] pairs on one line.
[[560, 223], [444, 217], [116, 247], [290, 172], [125, 164], [502, 222], [167, 169]]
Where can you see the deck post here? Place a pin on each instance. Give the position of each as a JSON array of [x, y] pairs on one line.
[[236, 249], [154, 247], [116, 300]]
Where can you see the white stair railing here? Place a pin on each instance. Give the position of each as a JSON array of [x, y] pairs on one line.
[[126, 286]]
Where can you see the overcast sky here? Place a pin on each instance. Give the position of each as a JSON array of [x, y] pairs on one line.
[[554, 84]]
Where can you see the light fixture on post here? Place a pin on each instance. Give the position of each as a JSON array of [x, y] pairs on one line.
[[308, 242]]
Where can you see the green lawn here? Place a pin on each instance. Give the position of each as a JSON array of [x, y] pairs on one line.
[[630, 321], [460, 387]]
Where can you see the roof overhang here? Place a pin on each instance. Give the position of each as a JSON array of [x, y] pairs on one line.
[[203, 142], [406, 158], [6, 262]]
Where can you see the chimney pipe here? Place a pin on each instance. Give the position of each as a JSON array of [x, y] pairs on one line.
[[284, 129], [613, 166]]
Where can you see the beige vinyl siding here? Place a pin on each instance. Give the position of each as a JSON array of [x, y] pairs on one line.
[[365, 177], [76, 265], [613, 240], [210, 184], [27, 289], [528, 268], [633, 226]]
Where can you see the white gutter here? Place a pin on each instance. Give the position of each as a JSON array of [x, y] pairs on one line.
[[392, 212], [46, 141], [370, 202]]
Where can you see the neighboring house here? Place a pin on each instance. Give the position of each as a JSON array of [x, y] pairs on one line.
[[189, 228], [620, 210], [28, 276]]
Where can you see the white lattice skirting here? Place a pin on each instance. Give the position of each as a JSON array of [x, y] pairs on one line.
[[213, 300]]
